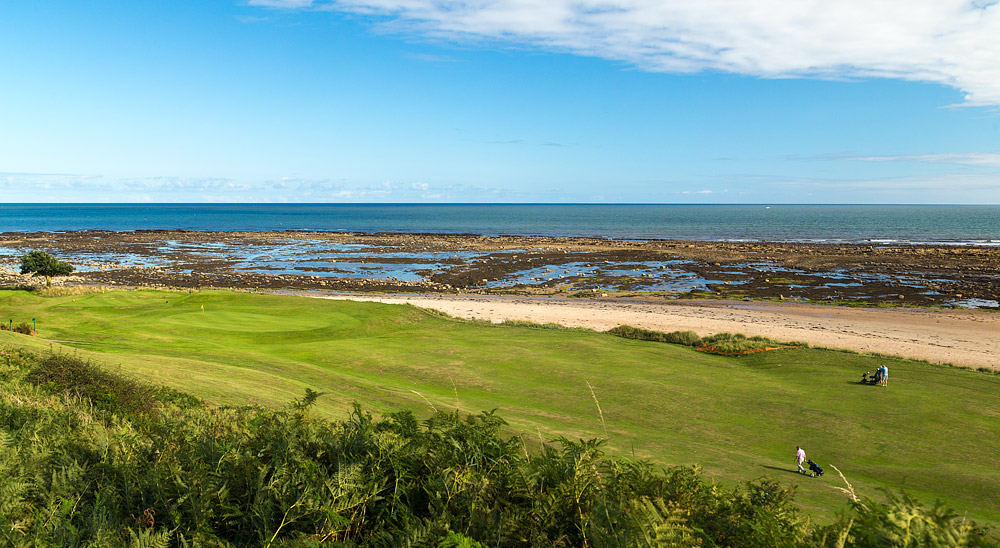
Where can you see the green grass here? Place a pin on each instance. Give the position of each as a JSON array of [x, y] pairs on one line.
[[933, 431]]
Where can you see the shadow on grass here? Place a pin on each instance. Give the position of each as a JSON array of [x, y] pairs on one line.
[[787, 470]]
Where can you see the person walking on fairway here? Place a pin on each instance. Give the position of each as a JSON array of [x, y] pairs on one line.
[[800, 457]]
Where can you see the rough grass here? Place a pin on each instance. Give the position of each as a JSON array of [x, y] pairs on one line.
[[726, 344], [686, 338], [72, 474], [69, 290], [738, 417], [737, 343], [107, 391]]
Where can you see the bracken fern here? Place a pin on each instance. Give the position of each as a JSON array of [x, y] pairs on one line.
[[77, 472]]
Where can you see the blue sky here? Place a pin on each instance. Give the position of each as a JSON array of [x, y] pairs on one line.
[[501, 101]]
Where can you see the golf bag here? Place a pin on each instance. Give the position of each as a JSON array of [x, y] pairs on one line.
[[814, 469], [867, 378]]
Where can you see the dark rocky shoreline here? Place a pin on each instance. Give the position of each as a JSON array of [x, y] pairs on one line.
[[864, 274]]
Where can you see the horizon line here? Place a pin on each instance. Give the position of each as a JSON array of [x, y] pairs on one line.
[[489, 204]]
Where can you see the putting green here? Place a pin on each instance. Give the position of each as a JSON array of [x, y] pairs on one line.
[[250, 322]]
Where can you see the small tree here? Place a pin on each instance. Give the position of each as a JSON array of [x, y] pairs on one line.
[[43, 264]]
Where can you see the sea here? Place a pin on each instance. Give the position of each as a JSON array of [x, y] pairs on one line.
[[959, 225]]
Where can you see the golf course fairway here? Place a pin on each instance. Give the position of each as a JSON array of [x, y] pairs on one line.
[[933, 432]]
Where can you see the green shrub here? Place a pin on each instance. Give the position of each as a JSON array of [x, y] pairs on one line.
[[686, 338], [903, 521], [735, 343], [23, 328], [107, 391], [536, 325]]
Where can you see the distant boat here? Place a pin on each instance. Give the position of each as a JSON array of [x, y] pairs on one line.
[[767, 207]]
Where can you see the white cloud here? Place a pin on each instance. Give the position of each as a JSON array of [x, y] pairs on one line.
[[979, 159], [420, 186], [250, 20], [69, 187], [948, 186], [948, 42], [430, 58]]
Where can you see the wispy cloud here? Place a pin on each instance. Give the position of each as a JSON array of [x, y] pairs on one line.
[[12, 174], [979, 159], [948, 42], [249, 19], [73, 187], [525, 142], [431, 58], [971, 186], [178, 184], [944, 187]]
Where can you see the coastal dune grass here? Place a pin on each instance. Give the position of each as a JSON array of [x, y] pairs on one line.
[[739, 418]]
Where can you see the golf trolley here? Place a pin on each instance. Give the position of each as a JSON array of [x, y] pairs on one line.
[[872, 379]]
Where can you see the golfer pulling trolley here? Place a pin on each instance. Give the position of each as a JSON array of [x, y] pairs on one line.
[[800, 457]]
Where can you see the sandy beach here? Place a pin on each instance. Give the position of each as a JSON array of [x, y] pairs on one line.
[[960, 337]]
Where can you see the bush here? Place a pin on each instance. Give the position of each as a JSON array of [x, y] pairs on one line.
[[109, 392], [42, 264], [536, 325], [903, 521], [686, 338], [735, 344], [23, 328]]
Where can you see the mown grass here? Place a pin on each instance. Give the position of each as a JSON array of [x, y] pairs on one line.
[[739, 418]]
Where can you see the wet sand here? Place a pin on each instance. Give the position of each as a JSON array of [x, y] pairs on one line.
[[960, 337], [865, 273]]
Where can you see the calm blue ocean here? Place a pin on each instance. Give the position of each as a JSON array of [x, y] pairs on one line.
[[959, 225]]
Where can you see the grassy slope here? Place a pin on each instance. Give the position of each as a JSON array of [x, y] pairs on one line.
[[933, 431]]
